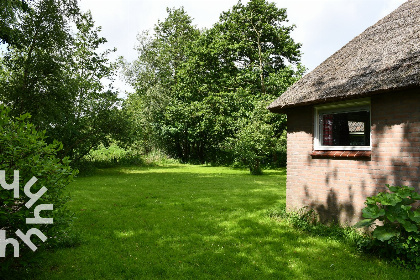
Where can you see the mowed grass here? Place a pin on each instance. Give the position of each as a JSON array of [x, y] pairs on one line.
[[195, 222]]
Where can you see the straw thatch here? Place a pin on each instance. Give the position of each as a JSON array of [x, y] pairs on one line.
[[385, 57]]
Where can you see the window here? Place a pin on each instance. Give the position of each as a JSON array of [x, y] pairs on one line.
[[343, 126]]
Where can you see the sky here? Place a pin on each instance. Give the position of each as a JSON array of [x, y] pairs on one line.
[[322, 26]]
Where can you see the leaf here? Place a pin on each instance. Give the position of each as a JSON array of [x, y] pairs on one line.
[[364, 223], [371, 200], [409, 226], [414, 216], [392, 217], [372, 212], [393, 188], [384, 234], [396, 213], [407, 201], [390, 199], [415, 195]]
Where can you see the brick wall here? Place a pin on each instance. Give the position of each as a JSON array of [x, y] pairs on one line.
[[337, 188]]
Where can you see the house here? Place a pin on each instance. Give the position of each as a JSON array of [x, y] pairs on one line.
[[353, 123]]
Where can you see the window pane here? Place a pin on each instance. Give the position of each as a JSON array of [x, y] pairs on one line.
[[345, 129]]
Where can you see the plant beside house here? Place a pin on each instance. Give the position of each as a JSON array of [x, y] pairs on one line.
[[23, 149], [392, 216], [397, 236]]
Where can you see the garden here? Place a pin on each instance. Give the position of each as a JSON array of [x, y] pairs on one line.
[[182, 178], [177, 221]]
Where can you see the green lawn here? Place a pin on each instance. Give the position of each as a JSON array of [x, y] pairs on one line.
[[195, 222]]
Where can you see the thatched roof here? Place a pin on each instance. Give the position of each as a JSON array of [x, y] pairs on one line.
[[385, 57]]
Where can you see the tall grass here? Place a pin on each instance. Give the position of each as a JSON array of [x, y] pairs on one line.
[[114, 155]]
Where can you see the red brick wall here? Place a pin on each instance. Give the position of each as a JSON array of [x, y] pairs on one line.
[[337, 188]]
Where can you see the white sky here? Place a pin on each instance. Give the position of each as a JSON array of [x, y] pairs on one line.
[[322, 26]]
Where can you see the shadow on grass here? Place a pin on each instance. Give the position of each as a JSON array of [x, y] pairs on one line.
[[205, 169], [124, 170], [189, 222]]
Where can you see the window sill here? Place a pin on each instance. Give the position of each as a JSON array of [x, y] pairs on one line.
[[342, 154]]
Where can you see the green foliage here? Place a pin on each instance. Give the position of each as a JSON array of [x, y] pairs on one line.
[[113, 155], [34, 79], [201, 96], [397, 236], [8, 11], [154, 75], [255, 42], [255, 143], [57, 75], [94, 115], [23, 148], [158, 158]]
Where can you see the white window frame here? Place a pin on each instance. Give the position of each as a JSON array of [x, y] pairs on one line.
[[342, 107]]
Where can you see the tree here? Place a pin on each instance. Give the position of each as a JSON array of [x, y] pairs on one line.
[[161, 53], [254, 43], [9, 11], [154, 74], [94, 113], [255, 142], [249, 55], [34, 65], [195, 90], [57, 76]]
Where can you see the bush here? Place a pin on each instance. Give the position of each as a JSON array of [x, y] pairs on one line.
[[23, 148], [158, 157], [253, 143], [398, 235], [114, 155], [104, 157]]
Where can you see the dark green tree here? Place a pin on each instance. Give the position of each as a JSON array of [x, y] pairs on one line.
[[257, 40], [9, 15], [154, 76], [195, 90], [57, 76], [249, 56], [33, 68], [94, 112]]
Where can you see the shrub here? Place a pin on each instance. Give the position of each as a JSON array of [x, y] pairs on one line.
[[398, 235], [253, 143], [104, 157], [158, 157], [23, 148], [114, 155]]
